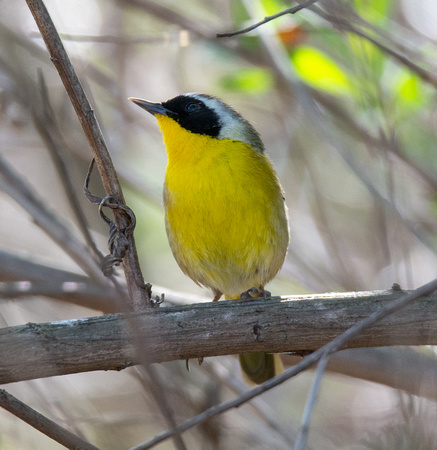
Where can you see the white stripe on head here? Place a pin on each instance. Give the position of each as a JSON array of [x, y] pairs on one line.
[[233, 125]]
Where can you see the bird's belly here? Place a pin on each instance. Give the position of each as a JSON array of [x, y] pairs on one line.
[[225, 240]]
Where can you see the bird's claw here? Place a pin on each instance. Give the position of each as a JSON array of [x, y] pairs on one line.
[[255, 293]]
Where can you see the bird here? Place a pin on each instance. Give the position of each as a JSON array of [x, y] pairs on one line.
[[225, 212]]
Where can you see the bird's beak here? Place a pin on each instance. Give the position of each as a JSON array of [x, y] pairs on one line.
[[152, 108]]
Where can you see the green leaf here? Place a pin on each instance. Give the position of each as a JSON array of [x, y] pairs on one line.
[[408, 88], [251, 80], [319, 70], [274, 6], [375, 11], [369, 58]]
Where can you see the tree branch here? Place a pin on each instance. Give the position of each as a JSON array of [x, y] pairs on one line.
[[292, 10], [344, 24], [18, 189], [409, 369], [85, 113], [340, 341], [42, 423], [46, 125], [298, 324]]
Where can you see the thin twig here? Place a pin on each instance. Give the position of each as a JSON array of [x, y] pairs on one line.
[[135, 283], [310, 403], [46, 125], [346, 25], [42, 423], [356, 129], [111, 39], [260, 407], [161, 400], [293, 10], [13, 184], [84, 293], [399, 368], [308, 361], [171, 15], [279, 62]]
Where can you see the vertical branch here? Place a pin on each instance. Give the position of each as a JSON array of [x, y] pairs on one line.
[[139, 296], [310, 403]]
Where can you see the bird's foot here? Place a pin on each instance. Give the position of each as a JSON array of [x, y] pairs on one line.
[[187, 362], [255, 293]]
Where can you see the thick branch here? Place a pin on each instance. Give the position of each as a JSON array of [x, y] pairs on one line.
[[209, 329]]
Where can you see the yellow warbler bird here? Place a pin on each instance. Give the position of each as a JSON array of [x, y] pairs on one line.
[[225, 213]]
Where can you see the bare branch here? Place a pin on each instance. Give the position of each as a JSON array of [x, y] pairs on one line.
[[335, 344], [343, 24], [15, 186], [298, 324], [261, 408], [414, 370], [23, 277], [310, 403], [293, 10], [162, 402], [46, 125], [42, 423], [95, 138], [346, 25]]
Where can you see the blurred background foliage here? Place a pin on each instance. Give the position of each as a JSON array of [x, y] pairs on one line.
[[343, 95]]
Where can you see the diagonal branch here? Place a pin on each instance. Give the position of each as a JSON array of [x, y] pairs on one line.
[[343, 24], [42, 423], [292, 10], [18, 189], [46, 125], [347, 25], [95, 138], [139, 292], [310, 403]]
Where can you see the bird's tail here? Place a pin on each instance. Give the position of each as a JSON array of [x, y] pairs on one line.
[[259, 367]]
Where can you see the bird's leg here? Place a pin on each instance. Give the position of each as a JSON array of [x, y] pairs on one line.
[[267, 294], [215, 299], [255, 293], [217, 296]]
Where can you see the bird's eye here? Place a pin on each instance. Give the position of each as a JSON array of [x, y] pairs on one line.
[[191, 107]]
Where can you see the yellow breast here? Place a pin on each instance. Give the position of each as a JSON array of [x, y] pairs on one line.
[[225, 214]]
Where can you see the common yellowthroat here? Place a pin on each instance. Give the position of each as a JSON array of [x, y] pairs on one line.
[[225, 214]]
